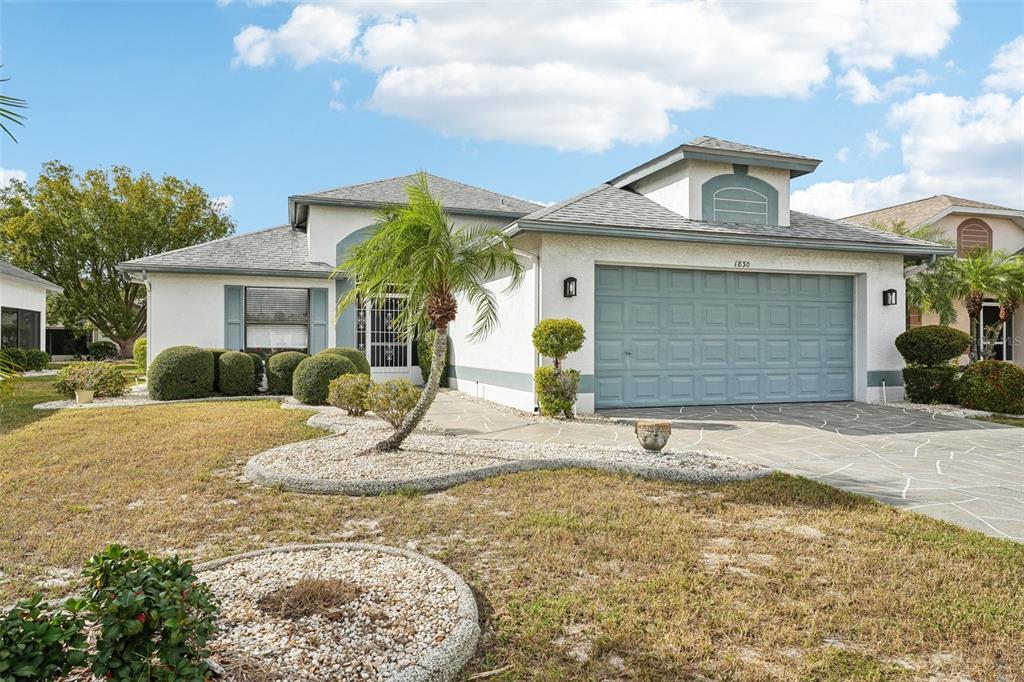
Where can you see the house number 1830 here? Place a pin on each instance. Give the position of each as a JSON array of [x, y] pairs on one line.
[[742, 264]]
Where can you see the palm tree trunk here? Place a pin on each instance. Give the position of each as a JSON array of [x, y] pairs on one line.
[[412, 420]]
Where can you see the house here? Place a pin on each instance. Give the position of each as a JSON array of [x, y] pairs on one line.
[[695, 281], [970, 225], [23, 307]]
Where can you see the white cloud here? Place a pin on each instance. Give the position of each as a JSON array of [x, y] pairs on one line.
[[1008, 67], [586, 76], [861, 90], [223, 204], [968, 147], [843, 154], [876, 145], [8, 174]]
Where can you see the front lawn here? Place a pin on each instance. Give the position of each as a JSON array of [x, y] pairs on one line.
[[578, 575]]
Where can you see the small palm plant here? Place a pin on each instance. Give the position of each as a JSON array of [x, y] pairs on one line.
[[418, 252], [982, 274]]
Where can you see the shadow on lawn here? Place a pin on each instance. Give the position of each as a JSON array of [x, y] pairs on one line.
[[785, 490]]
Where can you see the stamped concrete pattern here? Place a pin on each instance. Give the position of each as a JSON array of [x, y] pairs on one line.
[[965, 471]]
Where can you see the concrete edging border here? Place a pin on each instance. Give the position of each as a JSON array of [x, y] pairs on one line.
[[441, 663]]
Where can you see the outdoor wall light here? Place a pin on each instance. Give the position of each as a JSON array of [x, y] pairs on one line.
[[889, 297], [569, 287]]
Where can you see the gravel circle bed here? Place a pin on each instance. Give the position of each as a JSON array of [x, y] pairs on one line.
[[944, 410], [433, 461], [409, 617], [141, 399]]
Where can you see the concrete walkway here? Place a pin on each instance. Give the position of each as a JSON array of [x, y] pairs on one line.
[[960, 470]]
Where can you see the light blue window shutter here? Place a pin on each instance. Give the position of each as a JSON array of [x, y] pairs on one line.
[[317, 320], [234, 310]]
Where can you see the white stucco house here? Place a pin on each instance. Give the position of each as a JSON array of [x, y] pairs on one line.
[[23, 307], [695, 281]]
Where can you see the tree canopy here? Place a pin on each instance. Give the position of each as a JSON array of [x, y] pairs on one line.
[[73, 229]]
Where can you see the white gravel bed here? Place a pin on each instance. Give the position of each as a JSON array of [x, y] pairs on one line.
[[430, 461], [412, 619], [944, 410], [142, 399]]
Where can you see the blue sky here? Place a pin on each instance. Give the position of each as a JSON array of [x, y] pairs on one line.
[[258, 100]]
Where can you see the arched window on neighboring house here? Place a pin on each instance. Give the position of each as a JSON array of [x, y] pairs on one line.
[[971, 235], [740, 198]]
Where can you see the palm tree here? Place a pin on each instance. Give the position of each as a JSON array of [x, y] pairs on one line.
[[418, 252], [7, 111], [927, 232], [9, 378], [982, 273], [930, 291]]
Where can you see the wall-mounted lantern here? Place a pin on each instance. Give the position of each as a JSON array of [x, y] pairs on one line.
[[569, 287], [889, 297]]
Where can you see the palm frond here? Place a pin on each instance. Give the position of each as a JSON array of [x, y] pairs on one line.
[[8, 105]]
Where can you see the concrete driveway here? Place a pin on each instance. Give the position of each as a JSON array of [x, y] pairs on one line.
[[964, 471]]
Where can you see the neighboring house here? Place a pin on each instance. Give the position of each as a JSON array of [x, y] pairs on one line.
[[969, 225], [695, 282], [23, 307]]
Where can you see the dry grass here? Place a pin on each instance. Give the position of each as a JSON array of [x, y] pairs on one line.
[[579, 575], [310, 597]]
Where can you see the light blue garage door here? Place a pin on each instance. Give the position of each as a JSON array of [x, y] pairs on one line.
[[695, 337]]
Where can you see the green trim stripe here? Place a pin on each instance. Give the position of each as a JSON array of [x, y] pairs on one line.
[[518, 381]]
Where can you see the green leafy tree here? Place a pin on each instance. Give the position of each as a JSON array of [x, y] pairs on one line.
[[982, 274], [417, 251], [73, 229]]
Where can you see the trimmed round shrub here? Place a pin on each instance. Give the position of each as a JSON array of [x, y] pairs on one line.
[[280, 368], [350, 392], [313, 376], [237, 376], [932, 345], [180, 373], [36, 360], [257, 368], [994, 386], [104, 378], [217, 352], [425, 352], [557, 338], [103, 350], [931, 385], [556, 391], [355, 356], [18, 357], [392, 400], [139, 353]]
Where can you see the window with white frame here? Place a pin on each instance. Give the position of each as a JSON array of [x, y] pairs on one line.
[[276, 319]]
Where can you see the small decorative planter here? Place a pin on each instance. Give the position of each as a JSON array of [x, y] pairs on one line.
[[83, 396], [653, 434]]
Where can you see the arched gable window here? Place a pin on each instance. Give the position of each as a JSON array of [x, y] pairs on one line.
[[740, 198], [971, 235]]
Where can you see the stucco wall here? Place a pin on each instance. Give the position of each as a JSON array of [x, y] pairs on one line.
[[16, 293], [1006, 235], [678, 187]]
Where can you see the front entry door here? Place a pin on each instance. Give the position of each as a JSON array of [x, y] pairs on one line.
[[388, 350], [1001, 345]]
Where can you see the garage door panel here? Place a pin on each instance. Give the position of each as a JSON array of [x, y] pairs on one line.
[[684, 337]]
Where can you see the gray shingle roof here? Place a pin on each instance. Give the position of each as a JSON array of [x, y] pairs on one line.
[[274, 251], [454, 195], [918, 212], [608, 206], [8, 270], [708, 142]]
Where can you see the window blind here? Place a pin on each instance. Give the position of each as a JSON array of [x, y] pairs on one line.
[[264, 305]]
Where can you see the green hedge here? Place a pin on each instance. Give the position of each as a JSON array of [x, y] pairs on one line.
[[104, 378], [103, 350], [992, 385], [36, 360], [181, 372], [217, 352], [556, 391], [17, 357], [350, 392], [257, 368], [280, 368], [932, 345], [393, 400], [931, 385], [425, 353], [237, 376], [355, 356], [313, 376], [139, 353]]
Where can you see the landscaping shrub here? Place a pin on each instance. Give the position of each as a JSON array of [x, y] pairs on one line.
[[931, 385], [257, 368], [36, 360], [139, 353], [392, 400], [237, 376], [154, 618], [355, 356], [314, 375], [217, 352], [38, 642], [557, 338], [425, 353], [994, 386], [18, 357], [181, 372], [556, 391], [932, 345], [350, 392], [103, 350], [280, 368], [104, 378]]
